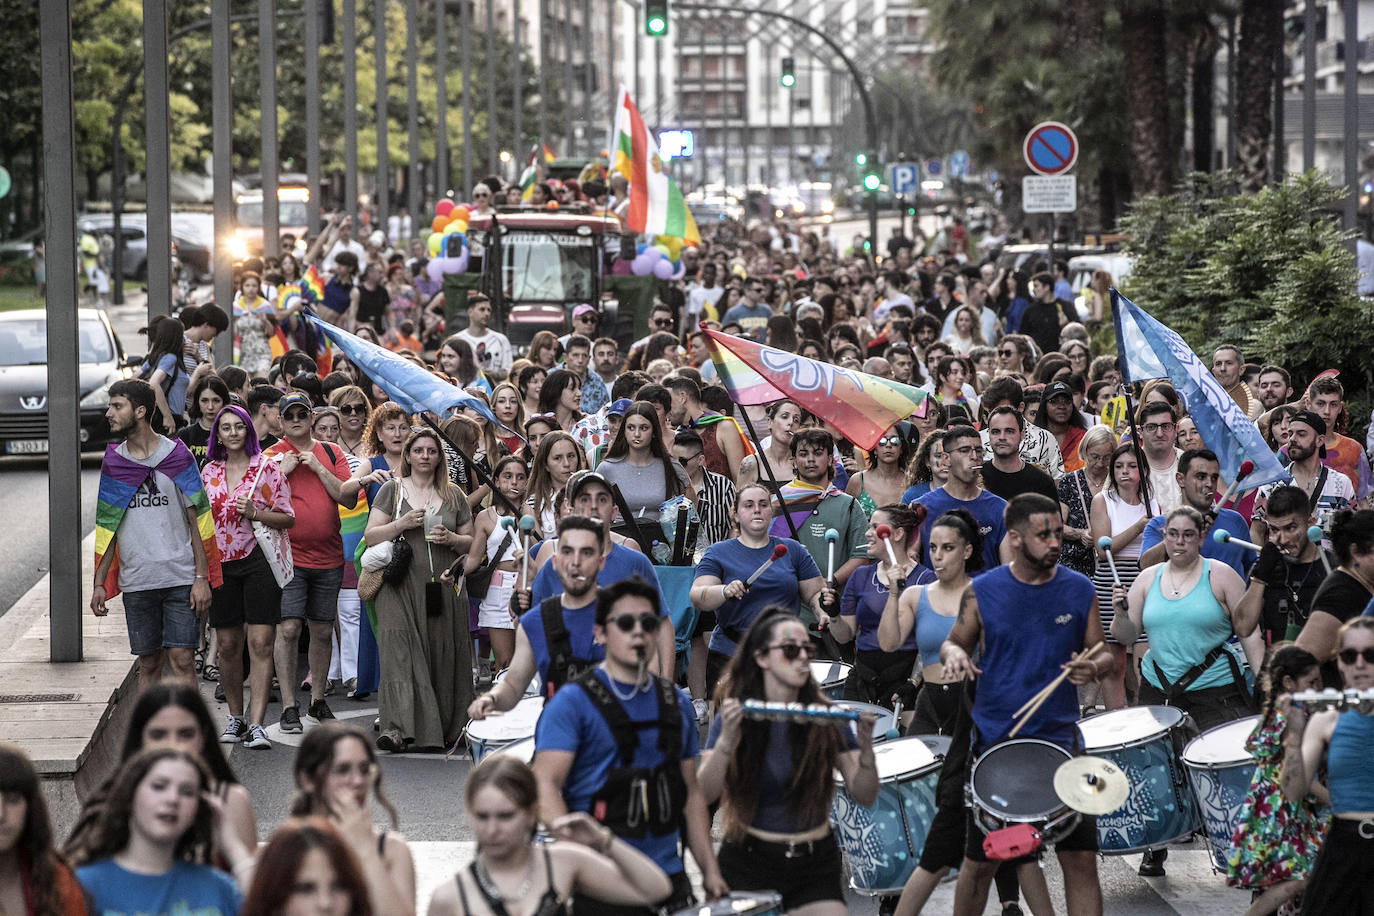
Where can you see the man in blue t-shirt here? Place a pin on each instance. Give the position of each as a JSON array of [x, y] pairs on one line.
[[617, 727], [964, 452], [1198, 474], [752, 313], [1033, 618]]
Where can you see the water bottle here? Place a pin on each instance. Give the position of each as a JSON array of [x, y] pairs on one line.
[[661, 553]]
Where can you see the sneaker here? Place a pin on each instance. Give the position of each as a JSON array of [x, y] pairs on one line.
[[1152, 863], [331, 687], [320, 710], [291, 721], [699, 707], [234, 731], [257, 738], [219, 692]]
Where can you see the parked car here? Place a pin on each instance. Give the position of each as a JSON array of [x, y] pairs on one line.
[[24, 379]]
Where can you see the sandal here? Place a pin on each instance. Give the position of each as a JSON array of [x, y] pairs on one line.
[[200, 660], [210, 673]]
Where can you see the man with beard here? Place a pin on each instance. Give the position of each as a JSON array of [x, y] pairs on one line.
[[1007, 474], [1197, 477], [721, 441], [1289, 569], [1327, 490], [1274, 386], [1033, 618]]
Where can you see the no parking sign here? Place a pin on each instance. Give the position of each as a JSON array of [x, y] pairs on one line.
[[1050, 148]]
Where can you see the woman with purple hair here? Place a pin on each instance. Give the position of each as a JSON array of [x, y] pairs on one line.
[[244, 486]]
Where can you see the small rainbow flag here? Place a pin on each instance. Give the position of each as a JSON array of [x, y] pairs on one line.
[[548, 153], [860, 406], [312, 285]]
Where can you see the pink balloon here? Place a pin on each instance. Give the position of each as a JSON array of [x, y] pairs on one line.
[[443, 208], [663, 269]]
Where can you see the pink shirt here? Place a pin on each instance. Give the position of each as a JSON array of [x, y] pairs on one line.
[[233, 532]]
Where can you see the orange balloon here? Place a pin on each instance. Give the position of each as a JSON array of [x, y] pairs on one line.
[[551, 205], [439, 223]]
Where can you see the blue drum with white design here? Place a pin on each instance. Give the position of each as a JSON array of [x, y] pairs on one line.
[[831, 676], [883, 843], [1220, 771], [1143, 741]]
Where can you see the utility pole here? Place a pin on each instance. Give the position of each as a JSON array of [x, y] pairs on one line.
[[267, 102], [350, 107], [383, 195]]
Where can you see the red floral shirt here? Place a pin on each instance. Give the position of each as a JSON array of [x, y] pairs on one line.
[[233, 532]]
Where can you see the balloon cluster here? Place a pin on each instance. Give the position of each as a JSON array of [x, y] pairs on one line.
[[450, 222], [663, 259]]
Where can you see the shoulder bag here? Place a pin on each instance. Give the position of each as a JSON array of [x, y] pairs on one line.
[[276, 546]]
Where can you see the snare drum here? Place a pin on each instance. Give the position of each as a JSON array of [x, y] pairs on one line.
[[883, 843], [1013, 783], [740, 903], [1143, 741], [886, 720], [831, 676], [1220, 771], [495, 732]]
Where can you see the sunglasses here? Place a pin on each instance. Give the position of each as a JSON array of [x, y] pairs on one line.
[[1348, 656], [890, 440], [791, 650], [626, 622], [1006, 352], [663, 322], [295, 415], [587, 317], [354, 409]]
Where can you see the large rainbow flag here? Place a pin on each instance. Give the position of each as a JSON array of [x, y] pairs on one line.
[[860, 406], [120, 479]]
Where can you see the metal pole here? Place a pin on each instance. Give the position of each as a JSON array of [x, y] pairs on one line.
[[768, 126], [702, 95], [589, 56], [1309, 85], [64, 381], [543, 64], [568, 78], [518, 78], [158, 170], [492, 158], [465, 56], [639, 89], [658, 85], [440, 101], [267, 80], [1231, 90], [222, 155], [412, 120], [383, 153], [790, 95], [350, 106], [1280, 149], [312, 115], [1351, 91]]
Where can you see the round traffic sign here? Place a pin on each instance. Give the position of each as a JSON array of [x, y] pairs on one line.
[[1050, 148], [933, 167]]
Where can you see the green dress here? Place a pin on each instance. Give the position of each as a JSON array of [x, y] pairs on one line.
[[426, 658]]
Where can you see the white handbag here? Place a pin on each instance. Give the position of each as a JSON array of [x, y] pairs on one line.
[[276, 546]]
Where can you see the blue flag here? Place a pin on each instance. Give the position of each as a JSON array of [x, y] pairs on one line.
[[414, 388], [1150, 350]]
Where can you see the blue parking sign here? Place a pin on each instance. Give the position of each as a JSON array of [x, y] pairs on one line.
[[903, 178]]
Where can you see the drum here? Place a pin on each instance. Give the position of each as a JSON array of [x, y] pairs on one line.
[[740, 903], [883, 843], [886, 720], [938, 744], [831, 676], [1143, 741], [1220, 770], [532, 689], [522, 750], [1013, 783], [495, 732]]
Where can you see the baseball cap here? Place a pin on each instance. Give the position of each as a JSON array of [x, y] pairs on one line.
[[1311, 418], [583, 309], [581, 480], [1055, 389], [618, 407], [294, 399]]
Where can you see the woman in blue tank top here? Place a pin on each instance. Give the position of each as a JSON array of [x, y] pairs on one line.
[[1339, 882], [1190, 606]]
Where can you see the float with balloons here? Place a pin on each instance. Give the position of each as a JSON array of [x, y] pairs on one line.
[[663, 259], [450, 224]]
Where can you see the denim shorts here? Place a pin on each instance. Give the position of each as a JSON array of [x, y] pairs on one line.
[[160, 618], [313, 594]]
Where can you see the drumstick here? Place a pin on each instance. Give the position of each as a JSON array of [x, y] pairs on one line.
[[526, 525], [1034, 702], [1315, 534], [884, 533], [1105, 543], [1241, 473], [1224, 537], [778, 553], [831, 536]]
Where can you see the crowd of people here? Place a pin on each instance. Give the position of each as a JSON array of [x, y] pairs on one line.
[[286, 507]]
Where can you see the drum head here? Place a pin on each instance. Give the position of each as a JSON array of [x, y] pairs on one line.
[[903, 757], [1127, 726], [1222, 745], [739, 903], [886, 719], [522, 750], [829, 672], [511, 725], [938, 744], [1016, 779]]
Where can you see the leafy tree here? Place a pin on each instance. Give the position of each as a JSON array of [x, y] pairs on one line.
[[1270, 271]]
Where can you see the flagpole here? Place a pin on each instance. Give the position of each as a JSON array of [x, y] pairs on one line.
[[768, 471], [1141, 460]]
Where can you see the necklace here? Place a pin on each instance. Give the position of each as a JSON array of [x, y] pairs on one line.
[[640, 685], [1174, 587], [489, 888]]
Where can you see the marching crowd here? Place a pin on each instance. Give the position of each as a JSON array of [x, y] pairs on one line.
[[1028, 519]]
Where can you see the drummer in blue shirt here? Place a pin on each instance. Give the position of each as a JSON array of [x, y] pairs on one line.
[[1198, 475], [792, 579]]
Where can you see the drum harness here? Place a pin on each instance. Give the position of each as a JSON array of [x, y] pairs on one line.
[[638, 801], [563, 665]]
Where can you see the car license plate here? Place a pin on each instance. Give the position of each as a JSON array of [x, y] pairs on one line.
[[27, 447]]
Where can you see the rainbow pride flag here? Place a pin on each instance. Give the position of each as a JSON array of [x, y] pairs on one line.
[[120, 480], [312, 285], [860, 406]]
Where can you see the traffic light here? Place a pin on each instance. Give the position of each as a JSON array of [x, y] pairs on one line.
[[789, 73], [655, 18], [861, 159], [871, 177]]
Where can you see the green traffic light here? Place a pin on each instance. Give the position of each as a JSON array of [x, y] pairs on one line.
[[657, 25], [871, 182], [788, 80], [861, 159]]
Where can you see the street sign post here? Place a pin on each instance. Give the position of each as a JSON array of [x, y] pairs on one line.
[[1050, 148], [1049, 194], [933, 167], [903, 178], [958, 164]]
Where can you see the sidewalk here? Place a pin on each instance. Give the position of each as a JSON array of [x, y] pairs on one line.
[[68, 717]]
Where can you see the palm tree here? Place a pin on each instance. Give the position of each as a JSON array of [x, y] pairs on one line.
[[1255, 81]]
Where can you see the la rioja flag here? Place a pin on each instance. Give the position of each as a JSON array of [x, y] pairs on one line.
[[656, 203]]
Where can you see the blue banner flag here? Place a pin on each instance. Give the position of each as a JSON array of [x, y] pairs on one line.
[[1150, 350], [413, 387]]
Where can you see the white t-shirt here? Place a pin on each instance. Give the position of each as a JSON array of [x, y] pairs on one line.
[[492, 349], [154, 536], [699, 296], [1164, 491], [352, 245]]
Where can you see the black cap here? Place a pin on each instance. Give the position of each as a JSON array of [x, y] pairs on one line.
[[1055, 389], [1311, 418], [579, 481]]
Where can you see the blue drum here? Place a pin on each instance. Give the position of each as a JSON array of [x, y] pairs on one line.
[[1143, 741], [1220, 771], [740, 903], [883, 843], [886, 720], [831, 676]]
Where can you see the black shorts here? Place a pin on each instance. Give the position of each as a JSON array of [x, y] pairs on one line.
[[706, 622], [812, 874], [1082, 838], [1339, 881], [716, 663], [250, 593]]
